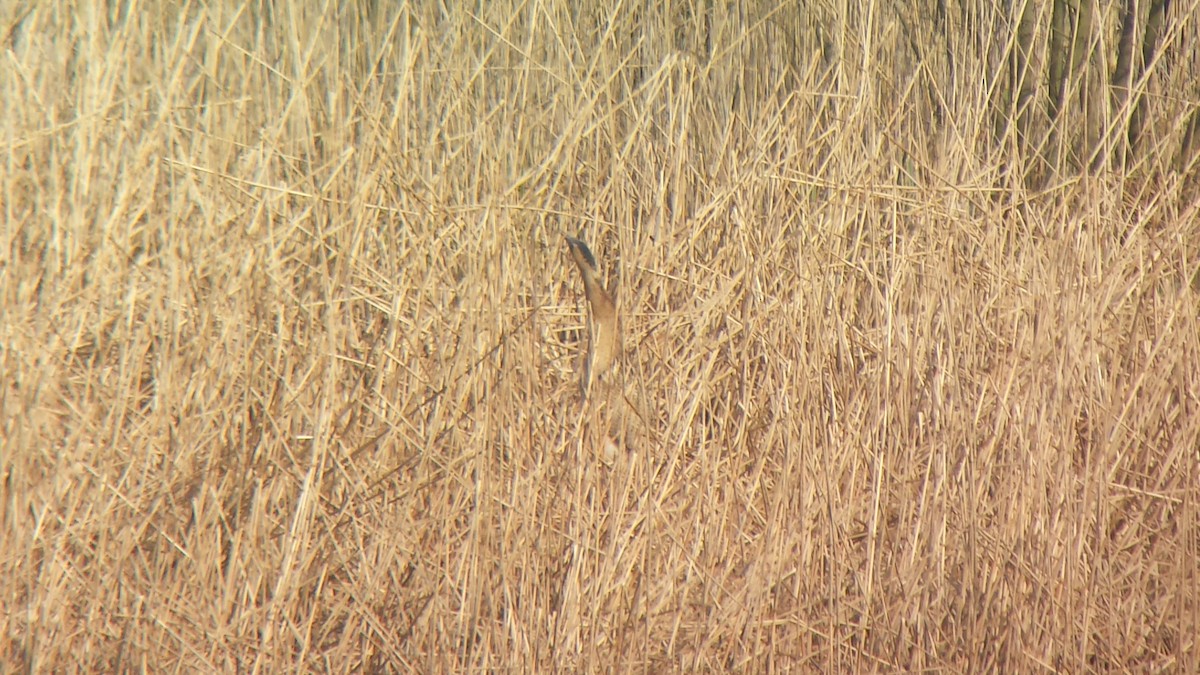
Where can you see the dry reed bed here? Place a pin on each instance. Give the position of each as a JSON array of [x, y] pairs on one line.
[[290, 339]]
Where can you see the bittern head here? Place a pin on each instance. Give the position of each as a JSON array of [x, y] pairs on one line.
[[603, 334], [581, 253]]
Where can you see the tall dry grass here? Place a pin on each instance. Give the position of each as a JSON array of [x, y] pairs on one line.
[[290, 339]]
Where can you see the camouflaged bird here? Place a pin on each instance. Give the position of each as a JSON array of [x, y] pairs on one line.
[[604, 338], [611, 382]]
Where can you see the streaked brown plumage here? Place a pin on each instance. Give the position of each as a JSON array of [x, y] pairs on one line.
[[604, 341]]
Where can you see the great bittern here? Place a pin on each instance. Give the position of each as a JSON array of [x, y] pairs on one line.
[[604, 341]]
